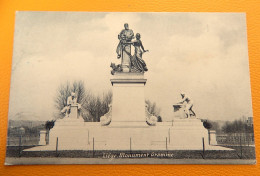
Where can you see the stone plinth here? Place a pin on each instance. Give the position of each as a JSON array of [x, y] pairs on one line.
[[42, 138], [188, 133], [69, 122], [73, 112], [212, 137], [73, 118], [128, 106], [179, 135], [70, 136], [68, 130]]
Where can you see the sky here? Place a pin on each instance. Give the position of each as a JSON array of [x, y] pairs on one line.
[[202, 54]]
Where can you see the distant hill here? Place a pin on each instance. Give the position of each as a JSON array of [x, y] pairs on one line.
[[25, 123], [27, 116]]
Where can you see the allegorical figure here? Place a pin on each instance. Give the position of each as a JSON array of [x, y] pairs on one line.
[[188, 103], [137, 61], [126, 35], [71, 100]]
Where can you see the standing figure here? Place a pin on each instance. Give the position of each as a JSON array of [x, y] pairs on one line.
[[126, 35], [137, 63], [186, 100]]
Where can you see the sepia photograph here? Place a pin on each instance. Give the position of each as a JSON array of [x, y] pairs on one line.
[[130, 88]]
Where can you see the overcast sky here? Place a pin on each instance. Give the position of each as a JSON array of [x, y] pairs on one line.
[[202, 54]]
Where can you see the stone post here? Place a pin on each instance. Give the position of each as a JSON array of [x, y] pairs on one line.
[[212, 137], [42, 137]]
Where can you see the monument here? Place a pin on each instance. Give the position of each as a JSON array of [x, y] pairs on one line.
[[184, 107], [128, 123], [67, 130], [128, 107], [188, 130]]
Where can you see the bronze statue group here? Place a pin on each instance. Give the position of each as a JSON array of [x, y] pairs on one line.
[[125, 38]]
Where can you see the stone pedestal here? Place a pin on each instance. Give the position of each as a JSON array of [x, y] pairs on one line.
[[188, 133], [212, 137], [73, 112], [42, 138], [128, 106], [68, 130], [72, 119], [179, 135], [70, 135]]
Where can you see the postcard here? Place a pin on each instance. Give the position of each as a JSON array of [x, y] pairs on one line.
[[130, 88]]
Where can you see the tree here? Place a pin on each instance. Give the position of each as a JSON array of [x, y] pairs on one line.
[[237, 126], [49, 124], [64, 91], [107, 99], [207, 124], [215, 126], [159, 119], [98, 106], [92, 107]]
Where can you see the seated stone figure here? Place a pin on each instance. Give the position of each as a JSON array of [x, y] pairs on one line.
[[72, 100]]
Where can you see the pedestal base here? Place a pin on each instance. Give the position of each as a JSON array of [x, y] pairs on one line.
[[133, 125], [188, 133], [179, 135], [68, 132], [128, 107], [69, 122]]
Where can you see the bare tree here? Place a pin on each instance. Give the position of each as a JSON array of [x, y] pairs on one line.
[[61, 98], [97, 106], [215, 126], [92, 107], [64, 91], [107, 99], [237, 126]]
